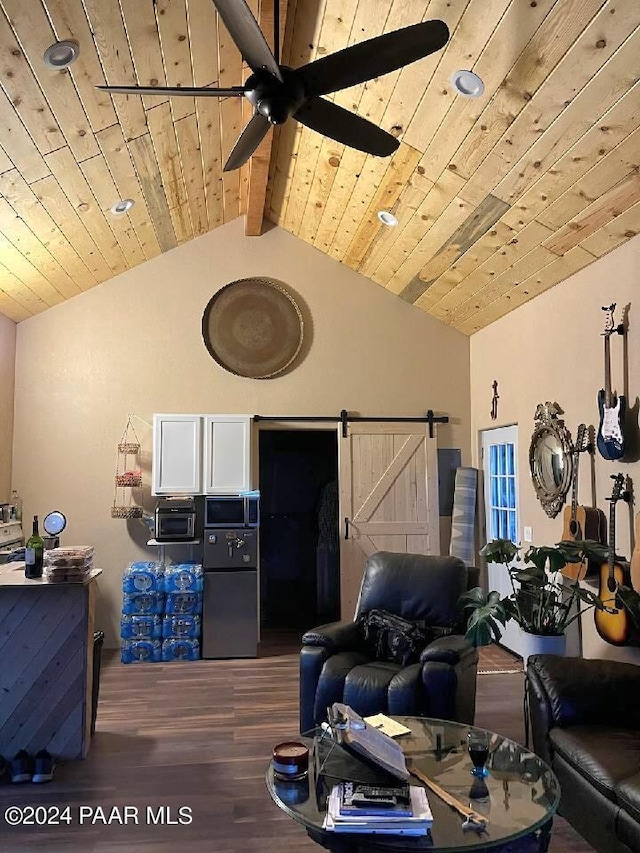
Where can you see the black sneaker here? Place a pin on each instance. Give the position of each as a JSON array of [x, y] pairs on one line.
[[43, 767], [3, 767], [21, 767]]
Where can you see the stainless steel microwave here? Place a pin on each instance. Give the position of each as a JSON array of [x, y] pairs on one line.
[[175, 519], [232, 511]]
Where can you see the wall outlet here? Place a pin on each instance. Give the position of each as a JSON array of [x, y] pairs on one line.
[[528, 534]]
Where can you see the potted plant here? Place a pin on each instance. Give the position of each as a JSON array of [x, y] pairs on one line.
[[540, 603]]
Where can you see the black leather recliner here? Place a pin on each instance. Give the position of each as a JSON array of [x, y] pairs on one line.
[[337, 665], [585, 723]]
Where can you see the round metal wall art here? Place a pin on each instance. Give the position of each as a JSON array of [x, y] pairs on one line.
[[253, 328]]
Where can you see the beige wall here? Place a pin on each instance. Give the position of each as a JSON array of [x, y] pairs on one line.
[[551, 349], [134, 345], [7, 373]]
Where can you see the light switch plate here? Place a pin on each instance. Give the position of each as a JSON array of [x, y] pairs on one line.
[[528, 534]]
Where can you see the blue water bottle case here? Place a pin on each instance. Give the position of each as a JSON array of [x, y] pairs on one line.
[[140, 651], [183, 577], [143, 603], [180, 649], [183, 625], [142, 577], [183, 603], [136, 627]]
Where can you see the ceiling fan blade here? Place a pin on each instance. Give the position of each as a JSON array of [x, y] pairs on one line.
[[372, 58], [246, 33], [248, 141], [337, 123], [171, 91]]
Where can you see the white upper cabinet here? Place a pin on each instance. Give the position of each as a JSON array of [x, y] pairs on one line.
[[227, 453], [177, 454], [180, 467]]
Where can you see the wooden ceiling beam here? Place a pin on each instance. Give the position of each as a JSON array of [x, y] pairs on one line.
[[259, 164]]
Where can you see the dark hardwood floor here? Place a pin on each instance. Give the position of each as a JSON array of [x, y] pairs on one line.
[[200, 735]]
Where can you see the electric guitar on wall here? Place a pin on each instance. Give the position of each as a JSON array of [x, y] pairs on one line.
[[581, 522], [613, 623], [612, 408]]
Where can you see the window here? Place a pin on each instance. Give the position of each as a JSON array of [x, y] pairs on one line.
[[500, 482]]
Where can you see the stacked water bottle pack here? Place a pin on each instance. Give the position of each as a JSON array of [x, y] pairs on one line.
[[142, 610], [161, 612], [183, 605]]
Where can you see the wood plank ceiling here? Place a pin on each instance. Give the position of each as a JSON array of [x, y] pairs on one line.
[[498, 198]]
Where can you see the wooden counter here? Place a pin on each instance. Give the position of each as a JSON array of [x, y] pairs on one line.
[[46, 674]]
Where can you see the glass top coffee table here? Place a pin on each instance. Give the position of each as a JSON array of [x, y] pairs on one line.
[[519, 796]]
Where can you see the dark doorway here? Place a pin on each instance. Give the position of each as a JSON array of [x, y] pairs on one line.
[[299, 557]]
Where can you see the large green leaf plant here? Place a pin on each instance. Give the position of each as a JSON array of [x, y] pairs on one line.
[[541, 601]]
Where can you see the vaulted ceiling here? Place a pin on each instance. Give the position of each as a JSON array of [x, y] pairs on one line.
[[497, 198]]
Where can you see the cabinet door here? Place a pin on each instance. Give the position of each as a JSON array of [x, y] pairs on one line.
[[227, 453], [177, 454]]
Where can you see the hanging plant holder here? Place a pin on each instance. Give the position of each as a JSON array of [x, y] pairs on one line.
[[126, 511], [130, 447], [128, 476], [130, 479]]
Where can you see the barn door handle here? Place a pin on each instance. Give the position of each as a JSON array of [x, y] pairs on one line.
[[346, 528]]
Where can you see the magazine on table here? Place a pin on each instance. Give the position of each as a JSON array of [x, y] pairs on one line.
[[417, 822]]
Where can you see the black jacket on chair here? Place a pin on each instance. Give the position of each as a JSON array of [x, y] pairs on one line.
[[585, 722], [338, 665]]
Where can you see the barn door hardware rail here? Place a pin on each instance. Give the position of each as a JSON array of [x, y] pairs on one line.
[[345, 418]]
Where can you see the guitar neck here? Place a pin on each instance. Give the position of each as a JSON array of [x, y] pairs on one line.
[[607, 371], [612, 537], [574, 487]]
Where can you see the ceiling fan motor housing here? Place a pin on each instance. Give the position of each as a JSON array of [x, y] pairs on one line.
[[275, 100]]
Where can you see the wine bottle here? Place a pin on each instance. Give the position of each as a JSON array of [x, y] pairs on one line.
[[34, 553], [16, 500]]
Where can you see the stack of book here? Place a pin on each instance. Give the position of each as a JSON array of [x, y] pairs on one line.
[[393, 810]]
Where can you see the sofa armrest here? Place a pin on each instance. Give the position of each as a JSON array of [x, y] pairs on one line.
[[335, 637], [449, 668], [577, 691], [538, 715], [318, 645], [452, 650], [440, 682], [312, 660]]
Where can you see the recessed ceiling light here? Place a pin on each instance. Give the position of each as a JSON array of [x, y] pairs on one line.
[[387, 218], [468, 84], [61, 54], [122, 206]]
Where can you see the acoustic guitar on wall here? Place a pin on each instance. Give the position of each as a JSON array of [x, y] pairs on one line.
[[581, 522], [613, 623], [612, 407], [635, 558]]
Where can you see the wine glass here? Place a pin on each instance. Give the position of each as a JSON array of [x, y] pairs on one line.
[[478, 748]]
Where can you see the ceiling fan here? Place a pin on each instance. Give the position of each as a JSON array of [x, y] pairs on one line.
[[278, 92]]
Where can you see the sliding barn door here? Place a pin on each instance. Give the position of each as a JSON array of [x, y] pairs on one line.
[[388, 498]]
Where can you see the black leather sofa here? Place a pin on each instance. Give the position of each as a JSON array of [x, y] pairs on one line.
[[585, 722], [337, 664]]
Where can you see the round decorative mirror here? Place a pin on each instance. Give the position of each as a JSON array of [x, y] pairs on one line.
[[550, 459]]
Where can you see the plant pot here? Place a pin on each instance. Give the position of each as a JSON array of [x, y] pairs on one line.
[[541, 644]]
